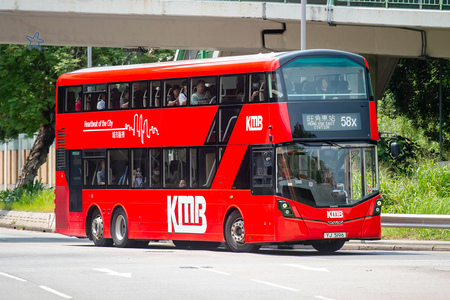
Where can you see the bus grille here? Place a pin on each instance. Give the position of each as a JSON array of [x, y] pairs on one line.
[[61, 153]]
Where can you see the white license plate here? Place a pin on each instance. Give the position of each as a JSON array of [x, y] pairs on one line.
[[334, 235]]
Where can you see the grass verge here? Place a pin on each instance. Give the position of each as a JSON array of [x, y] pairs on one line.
[[33, 197], [422, 190]]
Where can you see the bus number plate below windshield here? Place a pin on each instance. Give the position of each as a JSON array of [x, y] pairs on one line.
[[334, 235]]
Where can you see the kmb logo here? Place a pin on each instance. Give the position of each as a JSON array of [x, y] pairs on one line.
[[190, 216], [333, 214], [254, 123]]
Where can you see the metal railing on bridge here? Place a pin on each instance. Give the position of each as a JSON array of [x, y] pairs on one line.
[[413, 4], [408, 4]]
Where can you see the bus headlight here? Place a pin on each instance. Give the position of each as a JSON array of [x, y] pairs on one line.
[[285, 208], [377, 209]]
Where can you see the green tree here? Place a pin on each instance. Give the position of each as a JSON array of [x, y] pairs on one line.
[[28, 91], [414, 93]]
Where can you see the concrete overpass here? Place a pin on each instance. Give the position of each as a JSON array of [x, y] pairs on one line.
[[380, 34]]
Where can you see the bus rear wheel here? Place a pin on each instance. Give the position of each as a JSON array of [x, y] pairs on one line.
[[119, 230], [235, 234], [97, 231], [328, 246]]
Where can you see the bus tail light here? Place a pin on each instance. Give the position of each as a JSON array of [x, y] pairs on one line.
[[285, 209], [377, 208]]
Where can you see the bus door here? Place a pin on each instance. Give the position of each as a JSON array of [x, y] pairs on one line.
[[75, 188]]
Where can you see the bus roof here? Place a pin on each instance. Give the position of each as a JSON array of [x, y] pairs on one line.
[[192, 68]]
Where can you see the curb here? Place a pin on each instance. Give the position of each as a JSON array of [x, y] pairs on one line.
[[380, 245], [36, 221], [397, 245]]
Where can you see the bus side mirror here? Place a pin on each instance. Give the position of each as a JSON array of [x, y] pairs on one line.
[[395, 149]]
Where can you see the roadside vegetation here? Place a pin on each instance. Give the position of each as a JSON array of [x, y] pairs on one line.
[[413, 183], [32, 197]]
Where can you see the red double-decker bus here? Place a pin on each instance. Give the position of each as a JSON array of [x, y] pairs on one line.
[[273, 148]]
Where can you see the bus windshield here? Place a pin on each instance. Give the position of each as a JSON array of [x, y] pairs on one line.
[[327, 175], [316, 78]]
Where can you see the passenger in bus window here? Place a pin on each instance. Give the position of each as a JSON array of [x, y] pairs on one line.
[[275, 92], [173, 99], [124, 102], [70, 100], [200, 96], [156, 177], [101, 175], [182, 98], [324, 89], [101, 103], [255, 89], [115, 99], [139, 99], [78, 102], [138, 179], [182, 184]]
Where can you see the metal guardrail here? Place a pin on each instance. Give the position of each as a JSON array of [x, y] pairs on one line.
[[415, 221], [404, 4]]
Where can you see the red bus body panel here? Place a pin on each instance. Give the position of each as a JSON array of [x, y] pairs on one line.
[[152, 214], [148, 219]]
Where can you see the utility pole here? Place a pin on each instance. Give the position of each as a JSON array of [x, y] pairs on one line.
[[89, 57], [440, 109], [303, 26]]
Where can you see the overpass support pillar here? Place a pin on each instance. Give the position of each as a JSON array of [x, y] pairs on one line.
[[381, 69]]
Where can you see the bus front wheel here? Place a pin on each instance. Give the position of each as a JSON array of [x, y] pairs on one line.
[[235, 234], [119, 230], [328, 246], [97, 231]]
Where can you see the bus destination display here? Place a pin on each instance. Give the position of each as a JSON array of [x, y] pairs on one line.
[[333, 122]]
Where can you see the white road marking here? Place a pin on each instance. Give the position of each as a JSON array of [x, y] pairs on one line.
[[113, 273], [307, 268], [323, 298], [215, 271], [13, 277], [275, 285], [55, 292]]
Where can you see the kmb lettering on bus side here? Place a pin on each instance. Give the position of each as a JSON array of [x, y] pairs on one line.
[[190, 216], [254, 123], [331, 214]]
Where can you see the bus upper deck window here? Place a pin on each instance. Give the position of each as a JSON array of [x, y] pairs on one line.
[[119, 96], [155, 90], [258, 87], [139, 94], [204, 91], [175, 92], [72, 101], [232, 89], [275, 87], [325, 78]]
